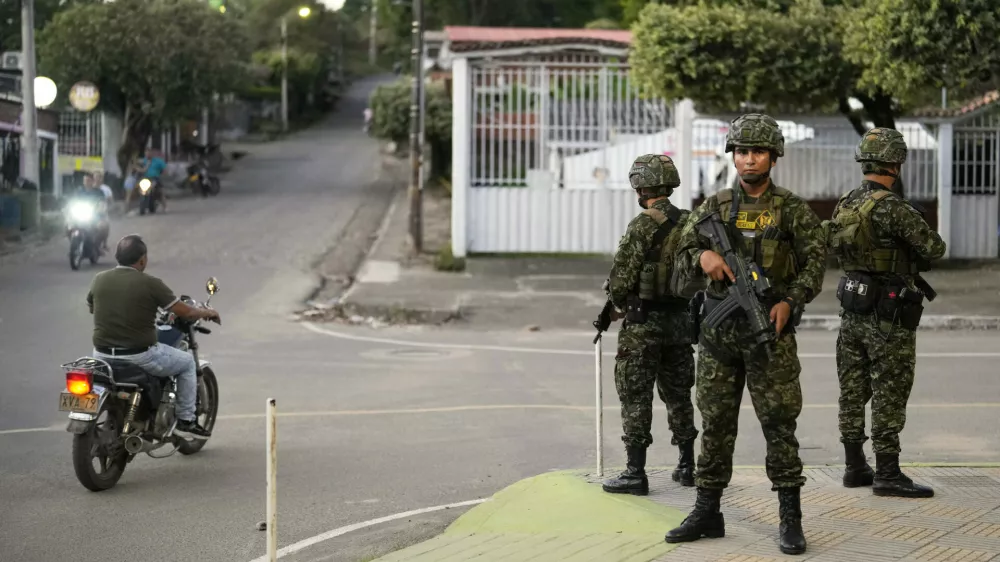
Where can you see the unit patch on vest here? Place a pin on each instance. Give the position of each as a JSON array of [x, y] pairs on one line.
[[765, 220], [744, 223]]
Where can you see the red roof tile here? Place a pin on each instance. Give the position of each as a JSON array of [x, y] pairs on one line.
[[980, 102], [499, 36]]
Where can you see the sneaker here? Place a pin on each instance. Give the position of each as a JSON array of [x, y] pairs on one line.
[[189, 429]]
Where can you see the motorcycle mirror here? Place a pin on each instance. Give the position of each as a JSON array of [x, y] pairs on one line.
[[212, 286]]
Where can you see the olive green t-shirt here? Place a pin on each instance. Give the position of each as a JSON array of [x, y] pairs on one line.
[[123, 301]]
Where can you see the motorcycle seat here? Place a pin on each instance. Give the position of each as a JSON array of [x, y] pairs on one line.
[[130, 373]]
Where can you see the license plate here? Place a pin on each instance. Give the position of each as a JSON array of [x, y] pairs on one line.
[[69, 402]]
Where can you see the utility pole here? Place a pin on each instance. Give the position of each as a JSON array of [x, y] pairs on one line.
[[416, 187], [372, 27], [284, 74], [29, 136]]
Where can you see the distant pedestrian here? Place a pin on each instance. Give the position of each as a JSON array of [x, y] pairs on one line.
[[368, 119]]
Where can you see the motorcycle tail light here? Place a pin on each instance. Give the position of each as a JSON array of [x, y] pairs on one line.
[[79, 382]]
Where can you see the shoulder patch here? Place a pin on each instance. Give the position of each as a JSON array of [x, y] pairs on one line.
[[656, 215]]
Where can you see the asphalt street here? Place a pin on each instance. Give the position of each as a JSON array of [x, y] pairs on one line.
[[372, 422]]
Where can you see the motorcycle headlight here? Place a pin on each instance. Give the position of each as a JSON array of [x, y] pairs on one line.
[[144, 185], [81, 211]]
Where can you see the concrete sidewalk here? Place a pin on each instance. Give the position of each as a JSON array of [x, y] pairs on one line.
[[565, 516], [565, 292]]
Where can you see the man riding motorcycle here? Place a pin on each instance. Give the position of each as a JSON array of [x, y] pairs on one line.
[[150, 167], [92, 191], [124, 303]]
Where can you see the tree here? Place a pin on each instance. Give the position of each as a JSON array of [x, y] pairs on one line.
[[723, 55], [154, 61], [907, 45], [10, 18]]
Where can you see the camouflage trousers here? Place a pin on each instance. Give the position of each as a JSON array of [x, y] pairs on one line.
[[731, 361], [871, 367], [647, 356]]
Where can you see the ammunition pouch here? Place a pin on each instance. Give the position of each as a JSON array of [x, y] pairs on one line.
[[898, 304], [636, 310], [858, 292]]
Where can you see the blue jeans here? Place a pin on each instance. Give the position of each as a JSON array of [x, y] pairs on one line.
[[164, 361]]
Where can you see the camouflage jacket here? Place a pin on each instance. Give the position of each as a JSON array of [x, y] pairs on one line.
[[631, 254], [895, 220], [798, 220]]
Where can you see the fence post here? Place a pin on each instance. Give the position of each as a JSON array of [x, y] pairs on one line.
[[272, 481], [945, 139], [462, 129], [600, 409], [684, 115]]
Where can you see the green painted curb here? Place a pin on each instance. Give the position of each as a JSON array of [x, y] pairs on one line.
[[562, 502], [558, 516]]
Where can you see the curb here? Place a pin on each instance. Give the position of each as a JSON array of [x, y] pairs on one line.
[[931, 322]]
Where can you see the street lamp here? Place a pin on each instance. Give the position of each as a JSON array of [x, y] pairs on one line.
[[304, 12]]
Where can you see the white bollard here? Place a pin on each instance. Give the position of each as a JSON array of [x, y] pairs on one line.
[[272, 481], [600, 410]]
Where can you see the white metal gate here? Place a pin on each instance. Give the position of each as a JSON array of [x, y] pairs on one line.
[[551, 143], [976, 187]]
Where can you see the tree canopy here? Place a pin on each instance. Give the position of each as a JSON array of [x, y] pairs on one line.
[[724, 54], [153, 60], [907, 45]]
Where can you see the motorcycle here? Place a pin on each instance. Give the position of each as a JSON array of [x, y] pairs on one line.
[[81, 229], [200, 179], [117, 410], [149, 195]]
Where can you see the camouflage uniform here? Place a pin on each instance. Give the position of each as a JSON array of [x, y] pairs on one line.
[[882, 243], [654, 344], [729, 359]]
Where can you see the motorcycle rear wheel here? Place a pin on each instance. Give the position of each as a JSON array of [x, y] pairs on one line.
[[208, 410], [89, 446]]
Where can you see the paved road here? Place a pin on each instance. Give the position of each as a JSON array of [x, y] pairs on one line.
[[370, 427]]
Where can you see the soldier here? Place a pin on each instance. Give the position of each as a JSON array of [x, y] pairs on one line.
[[782, 235], [654, 344], [882, 243]]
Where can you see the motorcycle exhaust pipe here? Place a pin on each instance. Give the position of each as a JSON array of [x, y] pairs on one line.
[[134, 444]]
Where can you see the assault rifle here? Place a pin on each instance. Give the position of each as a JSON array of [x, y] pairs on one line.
[[746, 293], [603, 321]]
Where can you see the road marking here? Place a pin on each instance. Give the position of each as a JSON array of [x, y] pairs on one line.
[[515, 349], [488, 407], [303, 544]]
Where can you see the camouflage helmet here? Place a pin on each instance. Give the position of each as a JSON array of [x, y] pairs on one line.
[[755, 130], [881, 144], [655, 172]]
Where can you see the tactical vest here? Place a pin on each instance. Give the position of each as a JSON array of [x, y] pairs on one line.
[[658, 264], [770, 248], [853, 239]]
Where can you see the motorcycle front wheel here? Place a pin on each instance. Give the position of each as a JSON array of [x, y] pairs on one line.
[[214, 186], [102, 442], [208, 410], [75, 253]]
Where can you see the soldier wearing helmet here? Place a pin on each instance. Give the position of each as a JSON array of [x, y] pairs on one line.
[[782, 234], [654, 343], [882, 243]]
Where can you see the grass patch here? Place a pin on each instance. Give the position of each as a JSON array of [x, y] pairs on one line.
[[446, 261]]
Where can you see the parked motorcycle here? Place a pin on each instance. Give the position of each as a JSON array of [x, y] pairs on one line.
[[117, 410], [150, 192], [81, 229]]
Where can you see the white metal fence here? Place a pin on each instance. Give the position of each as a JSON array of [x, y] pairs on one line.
[[819, 158], [546, 135], [975, 189], [80, 134]]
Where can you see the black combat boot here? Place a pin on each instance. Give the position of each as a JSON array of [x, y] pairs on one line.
[[705, 520], [858, 472], [791, 539], [890, 481], [633, 479], [684, 473]]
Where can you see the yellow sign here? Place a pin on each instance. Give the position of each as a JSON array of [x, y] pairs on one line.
[[743, 223], [84, 96], [764, 220], [69, 164]]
